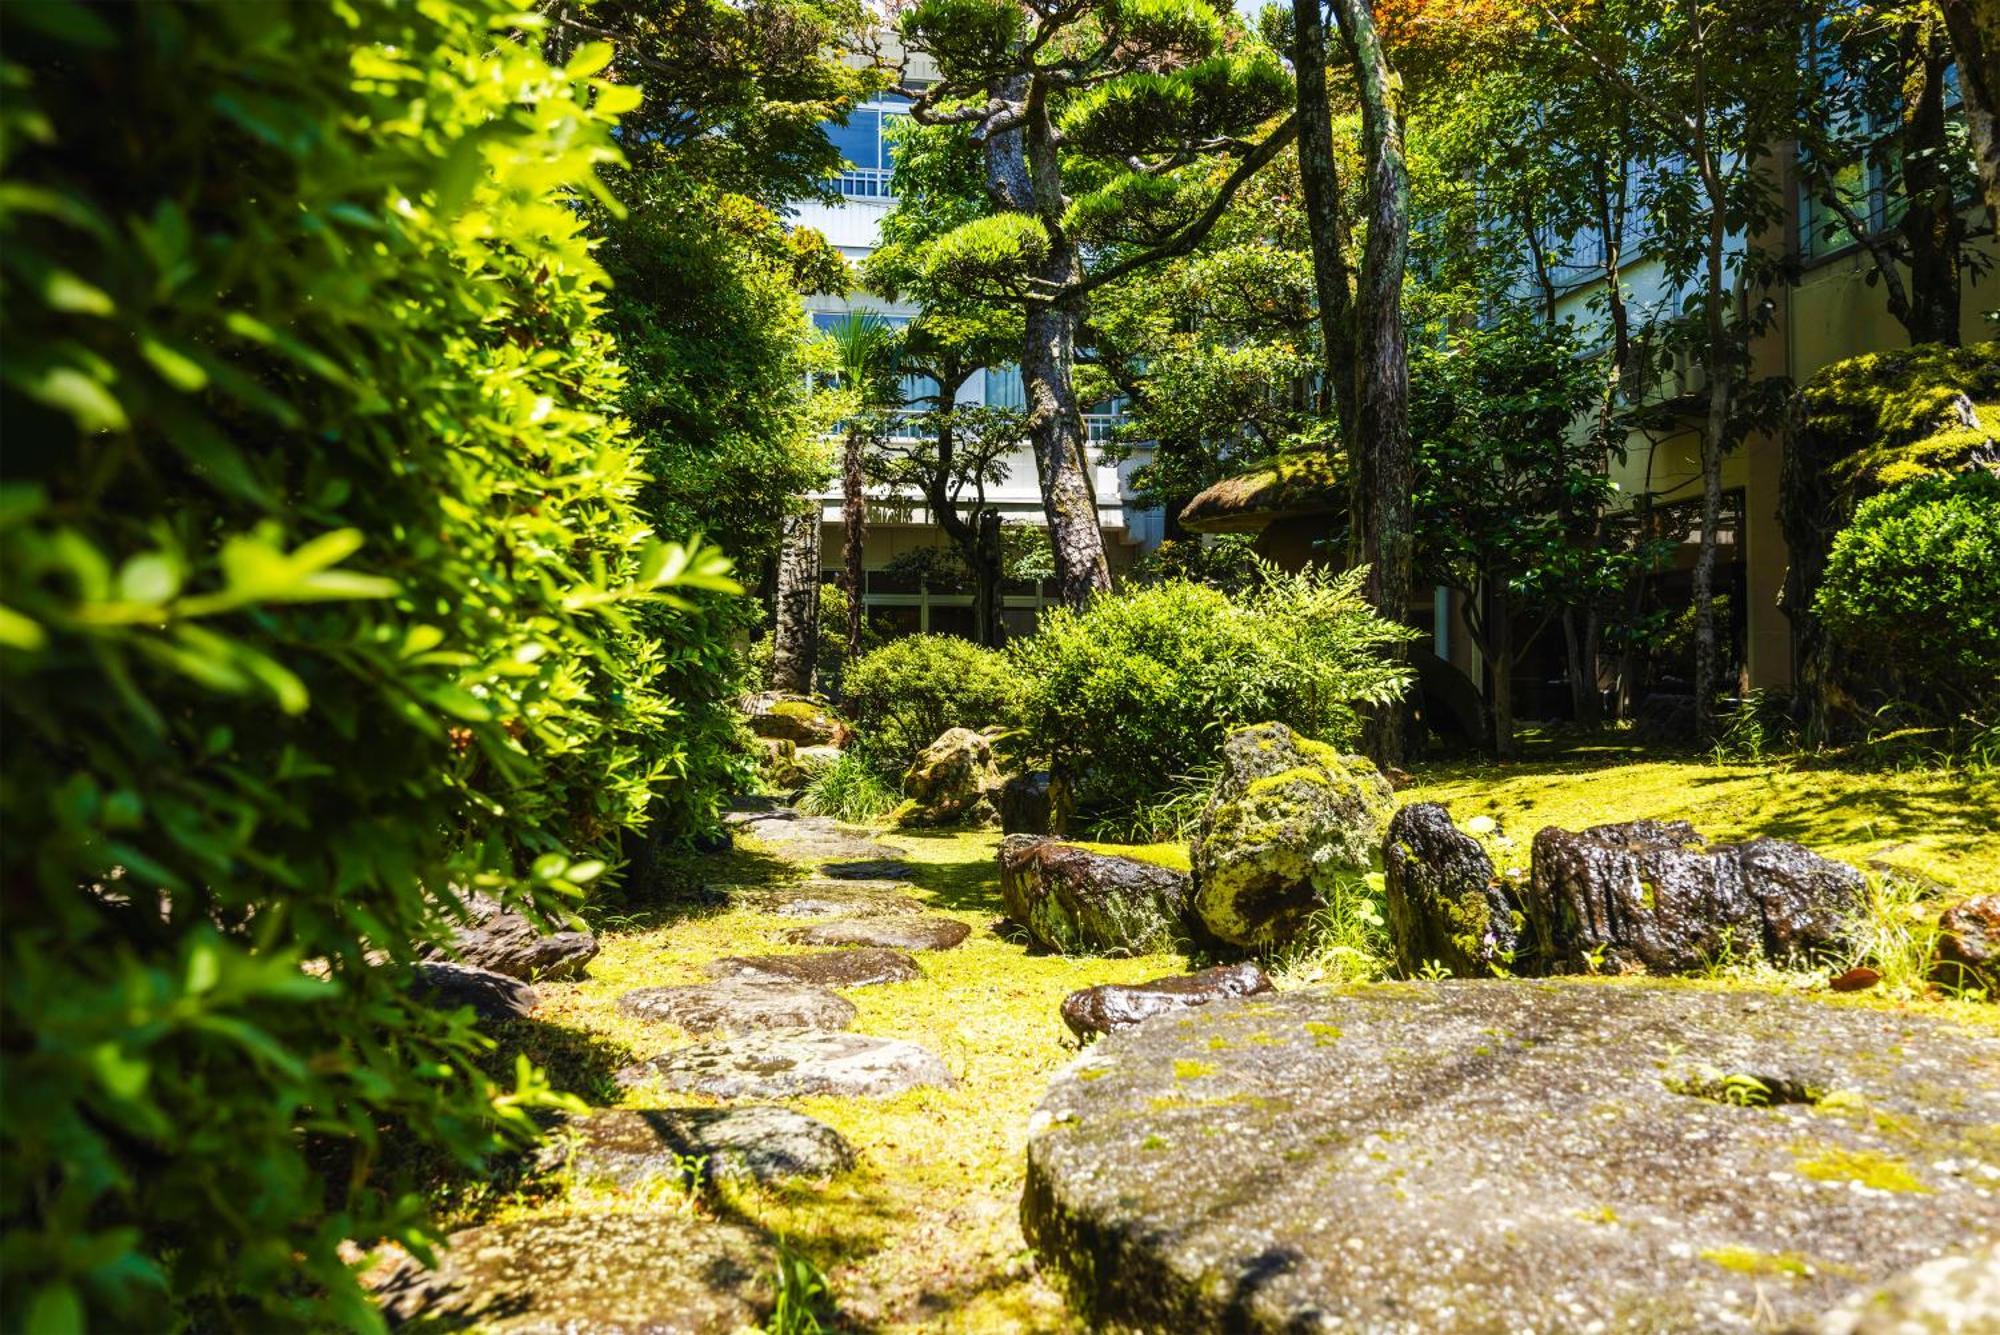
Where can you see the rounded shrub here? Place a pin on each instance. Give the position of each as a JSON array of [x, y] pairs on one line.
[[902, 696], [326, 593], [1136, 690], [1913, 585]]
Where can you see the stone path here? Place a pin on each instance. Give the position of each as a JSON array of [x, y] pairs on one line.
[[767, 1027]]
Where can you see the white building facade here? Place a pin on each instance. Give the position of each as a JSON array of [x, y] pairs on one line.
[[899, 525]]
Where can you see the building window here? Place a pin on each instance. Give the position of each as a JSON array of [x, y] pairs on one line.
[[866, 147]]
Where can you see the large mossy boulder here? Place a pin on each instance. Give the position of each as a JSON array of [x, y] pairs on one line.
[[1466, 1157], [798, 719], [1289, 818], [1081, 900], [1655, 897], [954, 781], [1446, 906]]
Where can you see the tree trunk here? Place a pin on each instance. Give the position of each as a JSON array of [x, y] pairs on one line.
[[1975, 38], [988, 623], [1932, 228], [854, 518], [1720, 366], [1501, 664], [1380, 445], [795, 628], [1326, 224], [1022, 175]]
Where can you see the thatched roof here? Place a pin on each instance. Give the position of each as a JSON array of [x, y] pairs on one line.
[[1288, 486]]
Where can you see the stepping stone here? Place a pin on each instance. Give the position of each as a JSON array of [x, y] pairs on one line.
[[1463, 1156], [740, 1003], [664, 1274], [492, 996], [835, 968], [789, 1065], [644, 1146], [896, 934], [506, 942], [805, 838], [835, 899], [877, 869]]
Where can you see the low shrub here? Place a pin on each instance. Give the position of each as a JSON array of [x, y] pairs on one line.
[[848, 790], [1912, 587], [1138, 688], [902, 696]]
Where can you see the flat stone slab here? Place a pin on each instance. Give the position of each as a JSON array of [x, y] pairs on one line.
[[872, 869], [806, 838], [638, 1147], [834, 968], [1502, 1155], [789, 1065], [662, 1274], [1099, 1010], [741, 1003], [932, 933], [836, 899]]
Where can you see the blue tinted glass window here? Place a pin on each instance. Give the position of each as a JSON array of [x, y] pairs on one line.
[[1003, 387], [860, 140]]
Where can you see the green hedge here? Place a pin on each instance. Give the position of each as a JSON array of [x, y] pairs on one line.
[[906, 694], [324, 590], [1913, 585]]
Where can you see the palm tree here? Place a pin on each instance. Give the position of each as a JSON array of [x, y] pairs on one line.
[[865, 347]]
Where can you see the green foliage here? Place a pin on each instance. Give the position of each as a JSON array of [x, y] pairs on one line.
[[830, 667], [903, 696], [1139, 687], [800, 1295], [326, 590], [986, 255], [1913, 584], [1227, 561], [848, 789]]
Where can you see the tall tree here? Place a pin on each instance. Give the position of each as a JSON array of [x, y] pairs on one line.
[[1141, 99], [1875, 119], [795, 616], [1975, 37], [864, 349], [1715, 85]]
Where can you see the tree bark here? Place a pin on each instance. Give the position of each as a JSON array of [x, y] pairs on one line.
[[1326, 223], [1932, 229], [1023, 176], [988, 623], [795, 628], [1720, 366], [1380, 444], [854, 519], [1500, 663], [1974, 26]]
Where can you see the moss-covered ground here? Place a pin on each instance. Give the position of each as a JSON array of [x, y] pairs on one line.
[[924, 1233]]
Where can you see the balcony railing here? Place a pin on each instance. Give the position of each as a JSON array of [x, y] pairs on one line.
[[1097, 427], [867, 183]]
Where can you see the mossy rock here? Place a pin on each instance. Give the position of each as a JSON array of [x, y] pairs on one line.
[[1290, 819], [794, 718], [1077, 900]]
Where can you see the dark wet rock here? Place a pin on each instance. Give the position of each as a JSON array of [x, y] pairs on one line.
[[931, 933], [1954, 1295], [1080, 902], [870, 869], [1445, 904], [804, 838], [792, 1065], [608, 1274], [740, 1004], [492, 996], [637, 1147], [1968, 946], [1664, 719], [795, 719], [507, 942], [953, 782], [1289, 820], [1653, 896], [1099, 1010], [1509, 1155], [1034, 803], [831, 968]]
